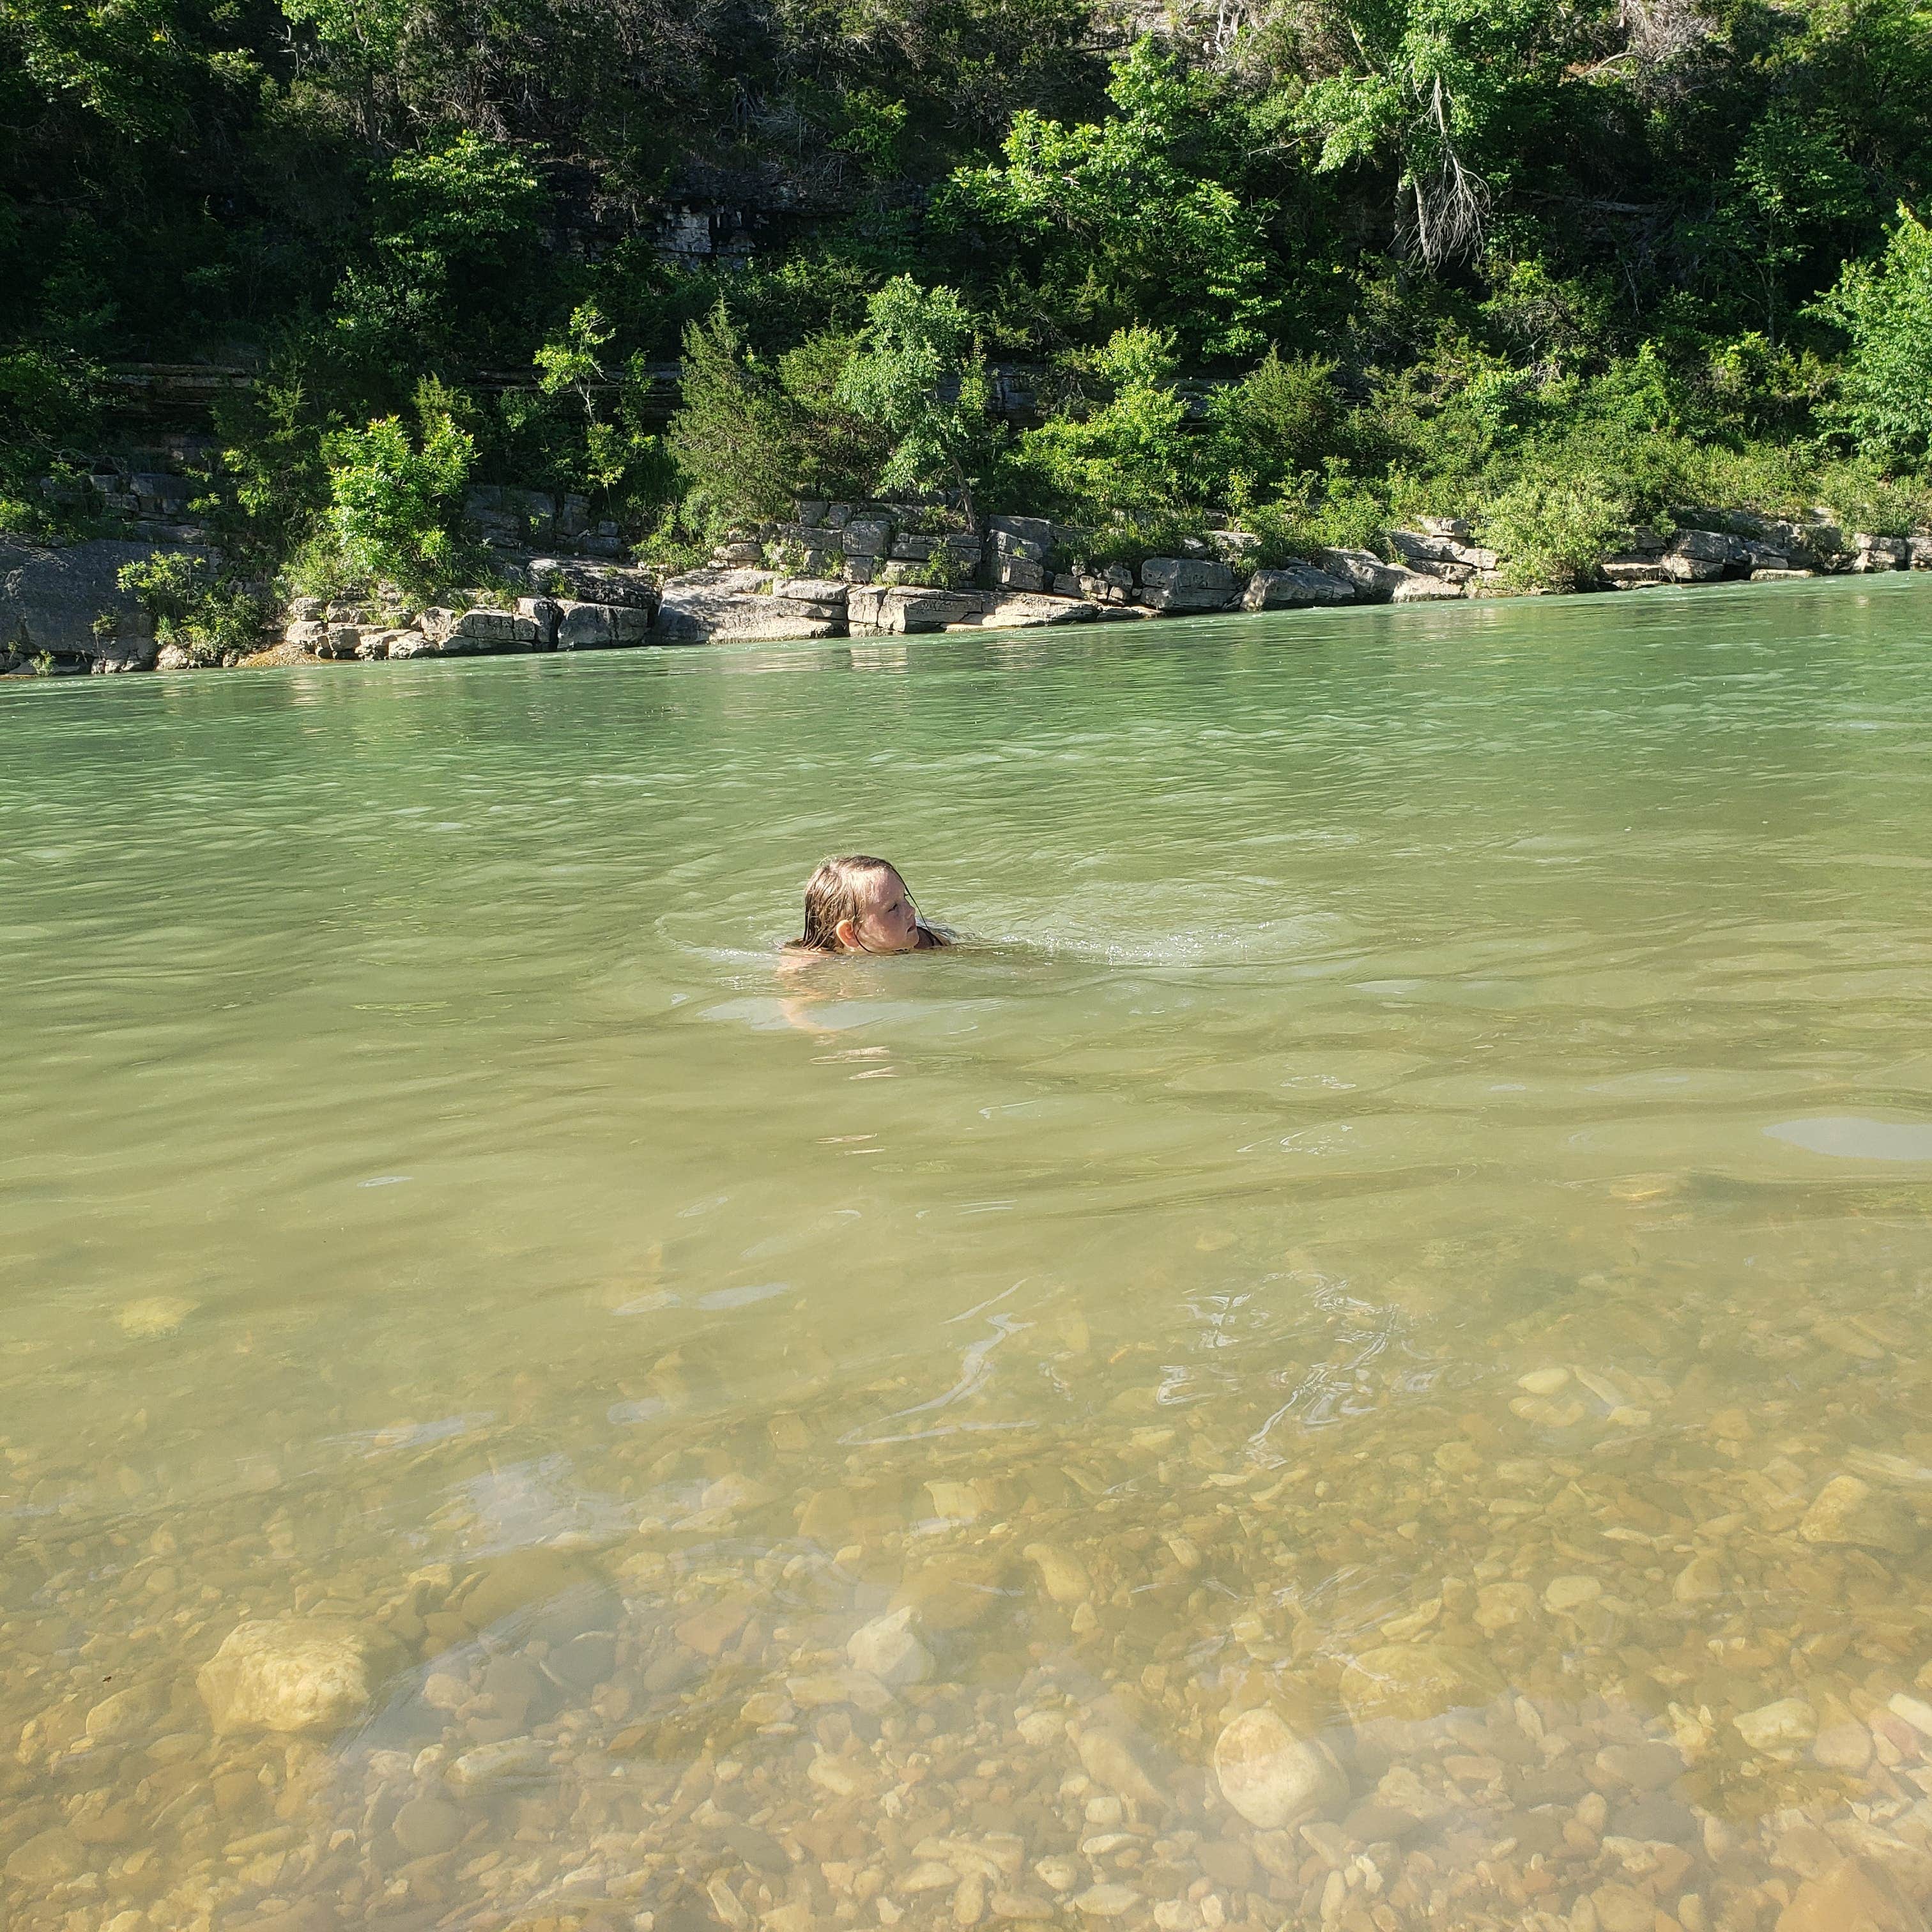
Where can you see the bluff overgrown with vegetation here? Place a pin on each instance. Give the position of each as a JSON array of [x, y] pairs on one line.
[[1552, 264]]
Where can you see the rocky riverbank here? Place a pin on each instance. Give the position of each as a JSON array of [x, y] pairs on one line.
[[864, 570]]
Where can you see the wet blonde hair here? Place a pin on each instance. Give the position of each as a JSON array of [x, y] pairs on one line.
[[831, 896]]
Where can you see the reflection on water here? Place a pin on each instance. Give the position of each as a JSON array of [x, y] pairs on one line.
[[1360, 1361], [1859, 1140]]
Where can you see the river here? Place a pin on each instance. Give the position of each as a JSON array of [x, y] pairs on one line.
[[1358, 1356]]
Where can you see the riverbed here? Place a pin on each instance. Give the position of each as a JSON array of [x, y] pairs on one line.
[[1355, 1355]]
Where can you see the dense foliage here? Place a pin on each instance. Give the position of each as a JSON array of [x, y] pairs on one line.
[[1557, 263]]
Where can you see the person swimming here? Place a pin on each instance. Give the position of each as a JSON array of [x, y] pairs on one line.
[[856, 903]]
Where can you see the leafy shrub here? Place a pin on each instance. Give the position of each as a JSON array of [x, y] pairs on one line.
[[673, 543], [210, 616], [1750, 388], [735, 439], [1885, 307], [1131, 540], [1128, 456], [1280, 420], [918, 375], [1553, 532], [946, 569], [1335, 511], [1863, 495], [395, 500]]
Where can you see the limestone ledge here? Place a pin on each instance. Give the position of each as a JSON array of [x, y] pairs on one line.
[[841, 570]]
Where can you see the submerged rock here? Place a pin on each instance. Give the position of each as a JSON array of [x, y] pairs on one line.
[[1109, 1759], [1544, 1381], [1105, 1901], [1700, 1578], [1853, 1896], [505, 1762], [126, 1713], [957, 1591], [1062, 1575], [46, 1860], [1500, 1606], [154, 1314], [425, 1826], [1779, 1729], [1415, 1680], [1843, 1747], [1622, 1908], [1848, 1511], [886, 1648], [529, 1581], [294, 1674], [1271, 1776], [1571, 1593]]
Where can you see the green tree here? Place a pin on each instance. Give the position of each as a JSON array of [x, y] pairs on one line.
[[1129, 456], [48, 404], [840, 453], [469, 203], [1122, 206], [1793, 184], [394, 500], [569, 364], [374, 29], [1885, 307], [1279, 421], [918, 375], [457, 222], [273, 483], [1450, 91], [142, 68], [732, 437], [870, 126]]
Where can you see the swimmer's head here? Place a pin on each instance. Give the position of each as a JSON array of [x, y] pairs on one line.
[[861, 904]]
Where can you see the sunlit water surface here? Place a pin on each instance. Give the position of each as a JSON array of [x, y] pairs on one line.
[[1409, 1216]]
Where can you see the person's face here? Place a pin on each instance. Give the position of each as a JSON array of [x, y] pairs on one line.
[[886, 922]]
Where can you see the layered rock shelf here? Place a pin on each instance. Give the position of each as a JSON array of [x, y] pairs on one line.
[[866, 570], [838, 570]]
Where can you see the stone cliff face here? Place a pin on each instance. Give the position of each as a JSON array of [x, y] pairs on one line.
[[66, 605]]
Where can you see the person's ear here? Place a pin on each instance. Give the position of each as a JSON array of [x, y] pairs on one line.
[[847, 934]]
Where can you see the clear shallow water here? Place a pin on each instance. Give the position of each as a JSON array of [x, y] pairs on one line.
[[1413, 1218]]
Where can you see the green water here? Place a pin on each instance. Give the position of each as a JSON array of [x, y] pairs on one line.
[[1411, 1213]]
